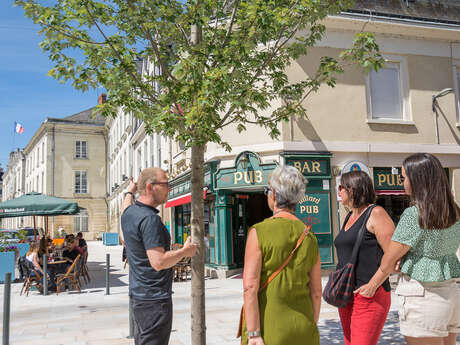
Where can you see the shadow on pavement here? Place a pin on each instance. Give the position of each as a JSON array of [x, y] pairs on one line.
[[97, 273], [331, 332]]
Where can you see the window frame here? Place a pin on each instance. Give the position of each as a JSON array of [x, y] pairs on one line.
[[75, 182], [406, 119], [76, 150], [79, 217]]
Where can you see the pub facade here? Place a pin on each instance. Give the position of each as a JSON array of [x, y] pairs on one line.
[[368, 122]]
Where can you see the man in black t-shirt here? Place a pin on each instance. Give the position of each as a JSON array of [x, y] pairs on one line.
[[150, 258], [70, 253]]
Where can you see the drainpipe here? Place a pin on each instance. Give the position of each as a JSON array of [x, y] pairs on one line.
[[53, 157]]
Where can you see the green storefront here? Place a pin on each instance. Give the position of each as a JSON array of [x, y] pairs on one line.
[[316, 207], [234, 201]]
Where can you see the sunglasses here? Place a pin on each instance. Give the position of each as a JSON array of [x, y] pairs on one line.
[[167, 184], [341, 187], [267, 190]]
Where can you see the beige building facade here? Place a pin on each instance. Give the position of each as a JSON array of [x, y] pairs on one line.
[[13, 185], [66, 157], [369, 122]]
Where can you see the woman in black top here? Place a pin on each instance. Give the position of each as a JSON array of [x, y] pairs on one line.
[[363, 318]]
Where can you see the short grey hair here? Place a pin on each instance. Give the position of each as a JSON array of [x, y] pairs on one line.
[[289, 186]]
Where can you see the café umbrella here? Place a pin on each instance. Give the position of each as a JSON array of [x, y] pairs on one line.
[[37, 204]]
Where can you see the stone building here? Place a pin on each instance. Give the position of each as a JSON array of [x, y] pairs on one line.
[[66, 157], [130, 149], [13, 185]]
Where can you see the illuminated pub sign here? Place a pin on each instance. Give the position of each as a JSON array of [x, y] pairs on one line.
[[247, 172], [385, 180]]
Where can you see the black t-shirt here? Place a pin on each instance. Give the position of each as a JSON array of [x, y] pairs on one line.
[[143, 229], [71, 254], [81, 242], [369, 256]]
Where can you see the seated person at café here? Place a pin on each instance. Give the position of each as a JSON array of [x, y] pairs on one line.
[[32, 256], [71, 252], [81, 242]]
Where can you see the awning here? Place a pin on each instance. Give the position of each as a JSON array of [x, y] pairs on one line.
[[181, 200], [390, 192]]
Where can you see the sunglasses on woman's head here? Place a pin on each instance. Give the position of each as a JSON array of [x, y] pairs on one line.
[[267, 190]]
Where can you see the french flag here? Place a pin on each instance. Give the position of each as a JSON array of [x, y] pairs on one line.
[[18, 127]]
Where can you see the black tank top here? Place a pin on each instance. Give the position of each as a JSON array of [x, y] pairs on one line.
[[369, 256]]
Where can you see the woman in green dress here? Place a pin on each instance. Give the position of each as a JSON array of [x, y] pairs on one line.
[[287, 310], [427, 237]]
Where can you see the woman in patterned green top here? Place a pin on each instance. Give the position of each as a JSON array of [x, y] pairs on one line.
[[426, 238], [287, 310]]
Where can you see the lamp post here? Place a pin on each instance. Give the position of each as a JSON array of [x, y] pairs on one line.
[[434, 104]]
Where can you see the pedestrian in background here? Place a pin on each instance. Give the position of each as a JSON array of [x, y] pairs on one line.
[[364, 317], [426, 238], [150, 258], [287, 310]]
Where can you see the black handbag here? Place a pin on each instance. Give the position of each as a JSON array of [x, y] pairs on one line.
[[341, 285]]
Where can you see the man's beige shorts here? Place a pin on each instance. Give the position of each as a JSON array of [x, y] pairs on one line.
[[428, 309]]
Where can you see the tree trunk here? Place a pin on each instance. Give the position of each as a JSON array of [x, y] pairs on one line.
[[198, 299]]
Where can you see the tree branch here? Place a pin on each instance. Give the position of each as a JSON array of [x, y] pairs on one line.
[[62, 32], [129, 71], [232, 20]]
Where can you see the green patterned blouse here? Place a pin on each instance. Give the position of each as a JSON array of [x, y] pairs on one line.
[[432, 256]]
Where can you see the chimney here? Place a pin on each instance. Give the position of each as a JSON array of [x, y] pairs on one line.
[[102, 98]]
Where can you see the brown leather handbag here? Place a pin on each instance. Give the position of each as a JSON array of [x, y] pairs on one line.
[[272, 276]]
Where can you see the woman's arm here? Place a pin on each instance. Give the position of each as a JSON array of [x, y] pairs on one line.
[[251, 283], [316, 288], [37, 264], [382, 226], [395, 252]]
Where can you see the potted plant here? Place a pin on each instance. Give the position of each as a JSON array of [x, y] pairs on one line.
[[7, 260]]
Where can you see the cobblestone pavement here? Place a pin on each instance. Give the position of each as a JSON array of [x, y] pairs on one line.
[[92, 317]]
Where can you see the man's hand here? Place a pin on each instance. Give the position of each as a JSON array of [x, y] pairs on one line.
[[132, 187], [189, 248]]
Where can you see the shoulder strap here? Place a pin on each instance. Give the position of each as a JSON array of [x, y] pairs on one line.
[[274, 274], [360, 237]]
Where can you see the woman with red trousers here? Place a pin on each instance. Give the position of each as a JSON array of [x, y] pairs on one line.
[[363, 318]]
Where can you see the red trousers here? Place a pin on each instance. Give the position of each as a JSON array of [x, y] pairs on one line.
[[363, 318]]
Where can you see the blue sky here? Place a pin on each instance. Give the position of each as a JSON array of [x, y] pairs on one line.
[[27, 94]]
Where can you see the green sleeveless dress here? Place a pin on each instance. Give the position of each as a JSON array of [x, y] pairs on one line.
[[286, 313]]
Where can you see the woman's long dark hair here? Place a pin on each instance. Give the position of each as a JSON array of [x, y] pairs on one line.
[[361, 187], [430, 191]]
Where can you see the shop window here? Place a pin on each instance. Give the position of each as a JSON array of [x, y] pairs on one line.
[[388, 92], [80, 221]]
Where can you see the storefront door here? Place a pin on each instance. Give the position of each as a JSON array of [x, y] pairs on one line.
[[249, 209]]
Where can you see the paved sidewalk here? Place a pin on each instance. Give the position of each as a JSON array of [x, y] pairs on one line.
[[94, 318]]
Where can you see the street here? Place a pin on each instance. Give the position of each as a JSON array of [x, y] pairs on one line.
[[95, 318]]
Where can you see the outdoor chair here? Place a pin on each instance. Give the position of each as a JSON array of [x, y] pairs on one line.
[[84, 268], [30, 275], [182, 269], [71, 277]]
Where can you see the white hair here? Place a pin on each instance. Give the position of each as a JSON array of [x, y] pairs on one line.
[[289, 186]]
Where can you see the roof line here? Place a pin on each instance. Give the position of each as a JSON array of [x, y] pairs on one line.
[[400, 17]]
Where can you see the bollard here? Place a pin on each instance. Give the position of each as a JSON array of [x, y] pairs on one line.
[[45, 275], [6, 309], [131, 321], [107, 274]]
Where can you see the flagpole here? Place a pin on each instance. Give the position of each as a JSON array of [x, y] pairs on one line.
[[14, 135]]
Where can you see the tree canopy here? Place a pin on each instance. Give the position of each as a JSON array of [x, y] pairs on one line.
[[231, 75]]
